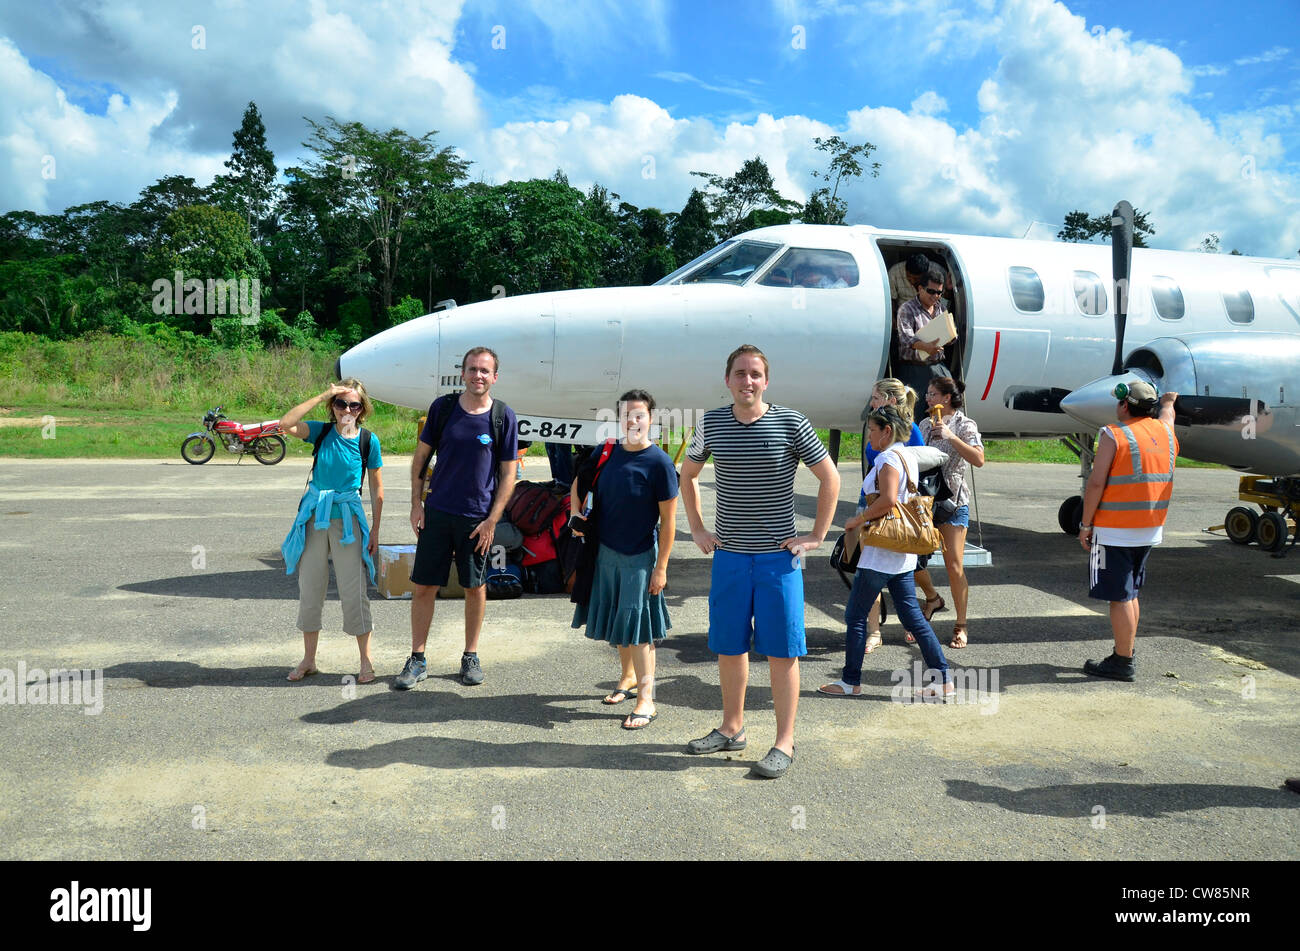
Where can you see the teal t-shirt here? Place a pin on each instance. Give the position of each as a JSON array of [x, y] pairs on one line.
[[338, 464]]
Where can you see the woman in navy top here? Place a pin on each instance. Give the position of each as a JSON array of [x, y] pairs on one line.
[[636, 500]]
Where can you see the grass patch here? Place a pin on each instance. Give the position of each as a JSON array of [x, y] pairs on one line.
[[139, 397]]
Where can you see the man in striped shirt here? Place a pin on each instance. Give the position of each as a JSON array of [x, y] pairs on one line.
[[756, 590]]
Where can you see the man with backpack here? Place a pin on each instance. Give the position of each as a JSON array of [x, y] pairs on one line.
[[475, 440]]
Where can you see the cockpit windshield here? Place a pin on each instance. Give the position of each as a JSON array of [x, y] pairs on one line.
[[736, 263]]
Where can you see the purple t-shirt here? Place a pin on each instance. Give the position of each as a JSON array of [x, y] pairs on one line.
[[466, 465]]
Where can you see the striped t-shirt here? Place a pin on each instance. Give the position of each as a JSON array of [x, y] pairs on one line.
[[754, 466]]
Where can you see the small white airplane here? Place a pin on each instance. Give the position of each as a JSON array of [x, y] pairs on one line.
[[1035, 348]]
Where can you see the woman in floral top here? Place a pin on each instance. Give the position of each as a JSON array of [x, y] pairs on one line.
[[959, 437]]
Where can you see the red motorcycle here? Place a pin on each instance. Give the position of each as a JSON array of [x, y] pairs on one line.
[[263, 440]]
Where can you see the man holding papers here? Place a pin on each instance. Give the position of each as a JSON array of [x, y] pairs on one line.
[[923, 328]]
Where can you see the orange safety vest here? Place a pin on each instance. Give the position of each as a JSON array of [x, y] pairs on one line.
[[1141, 479]]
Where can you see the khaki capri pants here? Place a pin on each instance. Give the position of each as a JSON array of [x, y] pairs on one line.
[[349, 572]]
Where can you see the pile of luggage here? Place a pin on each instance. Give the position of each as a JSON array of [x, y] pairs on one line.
[[540, 551]]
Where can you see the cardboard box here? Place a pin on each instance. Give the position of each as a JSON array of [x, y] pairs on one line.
[[393, 574]]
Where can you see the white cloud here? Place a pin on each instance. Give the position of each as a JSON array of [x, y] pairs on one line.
[[929, 103], [1070, 117], [383, 65], [1268, 56]]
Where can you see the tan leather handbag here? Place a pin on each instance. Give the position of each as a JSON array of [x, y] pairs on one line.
[[907, 528]]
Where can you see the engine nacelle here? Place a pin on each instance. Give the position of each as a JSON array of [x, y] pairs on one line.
[[1221, 368]]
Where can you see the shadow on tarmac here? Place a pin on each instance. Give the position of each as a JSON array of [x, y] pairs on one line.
[[1147, 800], [443, 753]]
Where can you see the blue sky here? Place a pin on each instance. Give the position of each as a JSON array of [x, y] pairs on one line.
[[988, 116]]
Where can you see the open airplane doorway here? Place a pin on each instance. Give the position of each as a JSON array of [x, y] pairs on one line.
[[956, 297]]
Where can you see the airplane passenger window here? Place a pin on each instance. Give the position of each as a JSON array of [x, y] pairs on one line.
[[735, 266], [1168, 297], [1240, 307], [811, 267], [1089, 293], [1026, 289]]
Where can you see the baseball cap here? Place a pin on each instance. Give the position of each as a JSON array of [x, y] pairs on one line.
[[1136, 392]]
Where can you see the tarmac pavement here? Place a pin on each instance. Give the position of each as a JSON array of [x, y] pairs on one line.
[[168, 578]]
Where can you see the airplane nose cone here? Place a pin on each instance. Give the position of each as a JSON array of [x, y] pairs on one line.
[[1094, 403], [397, 366]]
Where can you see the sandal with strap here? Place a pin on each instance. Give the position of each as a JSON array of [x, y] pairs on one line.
[[845, 690], [622, 693], [958, 637], [873, 641], [940, 605]]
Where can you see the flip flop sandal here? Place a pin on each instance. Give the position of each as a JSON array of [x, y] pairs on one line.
[[361, 677], [621, 694], [647, 717], [302, 676], [847, 691]]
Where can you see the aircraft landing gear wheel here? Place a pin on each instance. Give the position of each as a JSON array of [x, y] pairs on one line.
[[1241, 524], [1070, 515], [1271, 531]]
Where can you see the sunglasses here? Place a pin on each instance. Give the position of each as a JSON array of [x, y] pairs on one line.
[[932, 291], [341, 403]]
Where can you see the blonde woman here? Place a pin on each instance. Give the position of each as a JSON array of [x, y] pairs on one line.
[[331, 522]]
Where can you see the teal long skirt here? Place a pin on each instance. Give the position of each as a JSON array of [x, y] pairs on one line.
[[621, 610]]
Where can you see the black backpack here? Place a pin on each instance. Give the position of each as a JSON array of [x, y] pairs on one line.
[[365, 452]]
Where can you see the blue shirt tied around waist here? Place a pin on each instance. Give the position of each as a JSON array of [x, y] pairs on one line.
[[318, 504]]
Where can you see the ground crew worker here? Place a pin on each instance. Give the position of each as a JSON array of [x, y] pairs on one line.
[[1124, 509]]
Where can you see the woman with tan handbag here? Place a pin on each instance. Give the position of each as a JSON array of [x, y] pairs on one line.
[[893, 484]]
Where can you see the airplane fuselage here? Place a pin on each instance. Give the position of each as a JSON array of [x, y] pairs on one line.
[[1032, 316]]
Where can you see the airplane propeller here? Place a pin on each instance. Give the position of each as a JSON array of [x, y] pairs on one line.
[[1121, 266]]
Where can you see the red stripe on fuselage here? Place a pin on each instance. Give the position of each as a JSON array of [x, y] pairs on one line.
[[997, 340]]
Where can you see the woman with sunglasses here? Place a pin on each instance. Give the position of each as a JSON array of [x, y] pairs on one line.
[[895, 393], [879, 568], [331, 522], [916, 361]]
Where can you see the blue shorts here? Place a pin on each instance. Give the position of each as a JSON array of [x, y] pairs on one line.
[[756, 598], [960, 518], [1116, 573]]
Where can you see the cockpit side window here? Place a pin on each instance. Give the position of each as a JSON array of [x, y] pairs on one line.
[[691, 264], [813, 267], [734, 266]]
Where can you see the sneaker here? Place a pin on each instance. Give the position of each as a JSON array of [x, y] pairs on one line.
[[414, 671], [1113, 667], [471, 674]]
